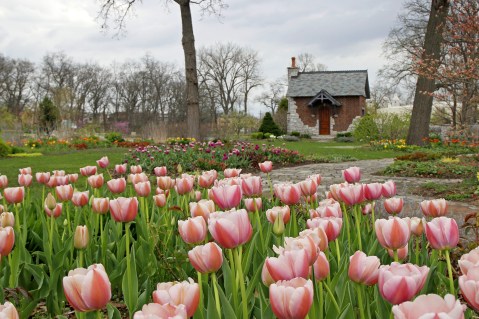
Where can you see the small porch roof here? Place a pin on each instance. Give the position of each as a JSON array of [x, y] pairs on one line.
[[323, 96]]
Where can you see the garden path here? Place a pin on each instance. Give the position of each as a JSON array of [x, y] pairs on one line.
[[331, 174]]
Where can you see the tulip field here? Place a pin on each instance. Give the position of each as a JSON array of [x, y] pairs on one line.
[[136, 241]]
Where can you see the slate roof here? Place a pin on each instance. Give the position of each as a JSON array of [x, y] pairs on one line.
[[336, 83]]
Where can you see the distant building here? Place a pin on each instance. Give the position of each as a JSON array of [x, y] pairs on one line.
[[325, 102]]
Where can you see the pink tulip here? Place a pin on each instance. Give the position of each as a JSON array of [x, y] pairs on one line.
[[80, 199], [402, 253], [232, 172], [442, 233], [95, 181], [81, 237], [289, 265], [117, 185], [88, 170], [316, 177], [352, 194], [157, 311], [135, 169], [137, 178], [103, 162], [207, 258], [266, 166], [54, 212], [160, 200], [143, 189], [193, 230], [417, 226], [184, 184], [226, 197], [434, 208], [3, 181], [471, 259], [165, 182], [252, 186], [7, 219], [25, 170], [229, 181], [392, 233], [352, 174], [373, 191], [58, 173], [327, 208], [41, 177], [308, 187], [430, 306], [1, 206], [8, 311], [393, 205], [331, 226], [308, 243], [7, 240], [87, 289], [207, 179], [273, 213], [120, 169], [321, 267], [253, 204], [364, 269], [368, 208], [288, 194], [291, 299], [61, 180], [320, 234], [469, 284], [185, 293], [124, 209], [25, 180], [160, 171], [100, 205], [399, 283], [389, 189], [202, 208], [230, 229], [72, 178], [14, 195], [266, 276]]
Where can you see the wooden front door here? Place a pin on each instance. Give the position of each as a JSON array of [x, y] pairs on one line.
[[324, 118]]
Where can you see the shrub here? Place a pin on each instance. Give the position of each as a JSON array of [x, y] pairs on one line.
[[4, 149], [113, 137], [294, 133], [344, 134], [367, 129], [269, 126], [307, 136], [257, 135]]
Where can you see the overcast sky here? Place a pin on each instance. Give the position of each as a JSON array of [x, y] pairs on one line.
[[342, 34]]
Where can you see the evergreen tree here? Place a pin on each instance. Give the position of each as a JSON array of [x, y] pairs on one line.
[[269, 126], [49, 116]]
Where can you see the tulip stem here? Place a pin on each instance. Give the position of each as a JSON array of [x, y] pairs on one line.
[[373, 204], [259, 223], [346, 219], [128, 261], [396, 255], [321, 298], [330, 293], [360, 300], [242, 285], [52, 220], [357, 216], [338, 253], [217, 298], [103, 242], [235, 285], [80, 261], [417, 250], [200, 283], [449, 270]]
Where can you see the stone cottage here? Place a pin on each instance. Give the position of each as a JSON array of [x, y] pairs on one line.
[[325, 102]]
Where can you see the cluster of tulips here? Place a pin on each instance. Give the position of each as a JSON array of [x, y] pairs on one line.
[[253, 255]]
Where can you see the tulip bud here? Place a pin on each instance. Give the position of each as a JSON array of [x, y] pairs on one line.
[[179, 169], [278, 226], [81, 238], [50, 201]]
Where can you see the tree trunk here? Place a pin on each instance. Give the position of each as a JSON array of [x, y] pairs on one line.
[[192, 92], [422, 107]]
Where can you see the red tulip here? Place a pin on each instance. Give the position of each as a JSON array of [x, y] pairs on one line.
[[434, 208], [442, 233], [321, 267], [364, 269], [266, 166], [157, 311], [185, 293], [100, 205], [14, 195], [430, 306], [232, 172], [206, 258], [253, 204], [3, 181], [193, 230], [393, 205], [288, 194], [373, 191], [8, 311], [184, 184], [72, 178], [80, 198], [469, 284], [291, 299], [202, 208], [135, 169], [289, 265], [308, 187], [352, 174], [331, 226], [103, 162], [160, 171], [117, 185], [88, 170], [7, 240], [207, 179], [41, 177], [392, 233], [7, 219], [252, 186], [137, 178], [143, 189], [120, 169], [165, 182], [226, 197], [25, 180], [230, 229], [399, 283], [352, 194], [389, 189], [160, 200], [95, 181], [124, 209], [81, 237], [87, 289]]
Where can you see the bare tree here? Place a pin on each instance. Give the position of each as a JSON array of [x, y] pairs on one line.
[[307, 63], [271, 97], [118, 9]]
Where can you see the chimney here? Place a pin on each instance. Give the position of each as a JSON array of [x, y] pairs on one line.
[[292, 70]]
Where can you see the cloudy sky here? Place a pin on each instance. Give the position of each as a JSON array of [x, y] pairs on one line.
[[342, 34]]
